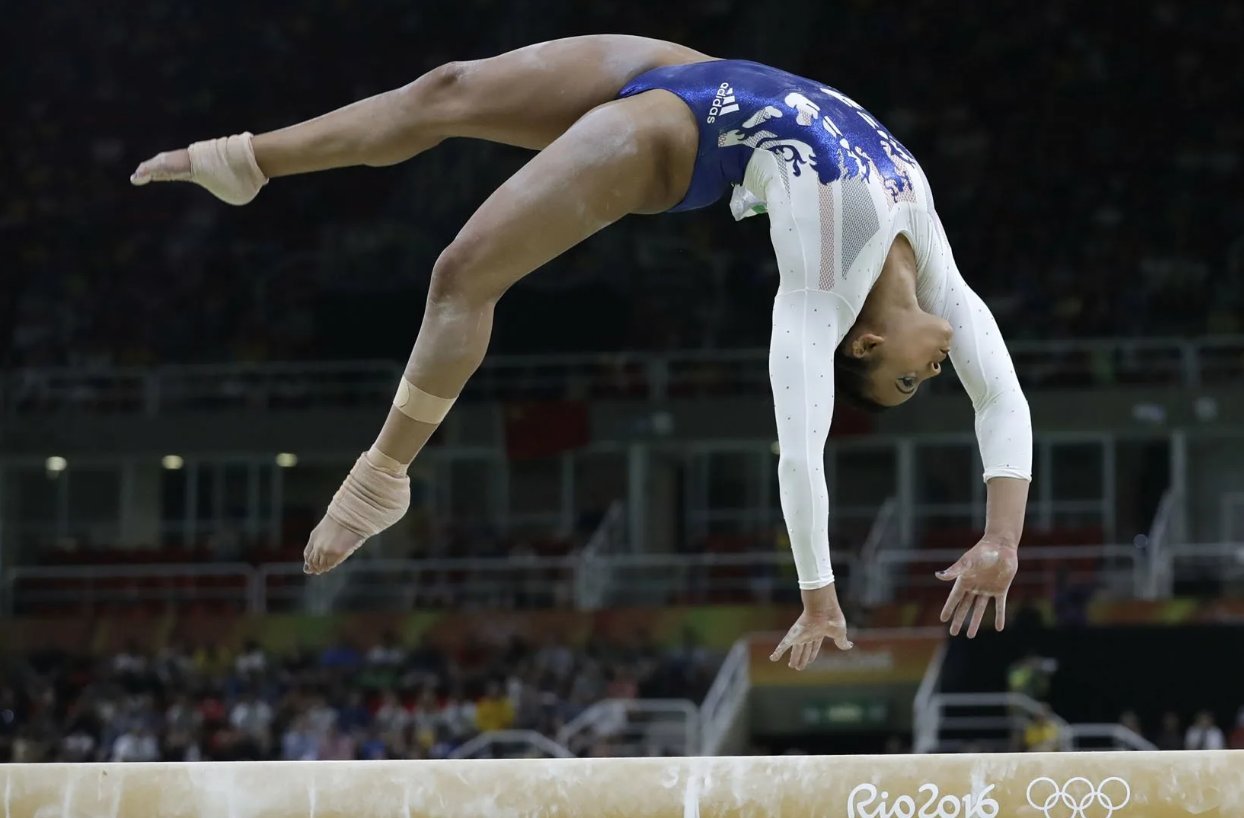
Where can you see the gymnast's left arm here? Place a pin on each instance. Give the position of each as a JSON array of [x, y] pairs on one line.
[[1004, 434], [805, 333]]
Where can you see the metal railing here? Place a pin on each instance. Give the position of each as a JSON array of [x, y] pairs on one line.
[[592, 587], [558, 582], [951, 722], [634, 727], [883, 532], [566, 582], [726, 698], [924, 716], [907, 570], [1079, 362], [511, 744]]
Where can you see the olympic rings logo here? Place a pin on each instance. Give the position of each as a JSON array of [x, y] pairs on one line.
[[1077, 797]]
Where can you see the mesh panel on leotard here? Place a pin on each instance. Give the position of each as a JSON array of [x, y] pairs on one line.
[[829, 237], [859, 221]]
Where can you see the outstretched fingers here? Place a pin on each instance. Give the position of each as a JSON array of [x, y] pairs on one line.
[[978, 615], [957, 593]]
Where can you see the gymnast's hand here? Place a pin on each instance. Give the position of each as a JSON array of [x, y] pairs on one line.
[[983, 573], [374, 496], [822, 618]]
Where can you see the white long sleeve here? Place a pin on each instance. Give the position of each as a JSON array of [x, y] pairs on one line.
[[984, 367], [805, 334]]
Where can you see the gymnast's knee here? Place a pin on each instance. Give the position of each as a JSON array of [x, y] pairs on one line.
[[458, 280], [433, 97]]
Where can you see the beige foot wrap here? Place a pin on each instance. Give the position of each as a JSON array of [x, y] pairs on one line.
[[374, 496], [226, 167]]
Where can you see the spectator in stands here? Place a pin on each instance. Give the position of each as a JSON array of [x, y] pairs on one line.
[[388, 652], [354, 716], [299, 742], [336, 745], [1204, 734], [1042, 733], [341, 656], [182, 721], [1130, 721], [372, 746], [136, 744], [494, 711], [1236, 740], [391, 714], [252, 662], [1170, 737], [458, 717], [1030, 676], [173, 665], [321, 716], [252, 717]]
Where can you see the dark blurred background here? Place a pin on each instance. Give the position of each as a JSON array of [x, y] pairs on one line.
[[184, 384], [1084, 158]]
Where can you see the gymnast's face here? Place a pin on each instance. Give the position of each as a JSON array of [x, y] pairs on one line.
[[909, 353]]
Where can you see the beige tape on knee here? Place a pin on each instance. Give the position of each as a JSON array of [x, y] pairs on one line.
[[418, 405], [226, 167], [374, 495]]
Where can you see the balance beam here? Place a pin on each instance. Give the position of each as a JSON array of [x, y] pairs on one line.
[[1036, 785]]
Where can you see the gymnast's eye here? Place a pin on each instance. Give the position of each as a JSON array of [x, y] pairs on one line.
[[907, 384]]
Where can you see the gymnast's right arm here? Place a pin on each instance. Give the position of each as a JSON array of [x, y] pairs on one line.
[[805, 335]]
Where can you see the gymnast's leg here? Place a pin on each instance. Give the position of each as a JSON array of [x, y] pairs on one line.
[[526, 97], [629, 156]]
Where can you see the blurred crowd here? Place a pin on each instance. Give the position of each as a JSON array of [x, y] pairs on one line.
[[383, 701], [1086, 172]]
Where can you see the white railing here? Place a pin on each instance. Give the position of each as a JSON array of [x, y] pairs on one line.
[[634, 727], [953, 721], [1080, 362], [1165, 523], [726, 698], [511, 744], [883, 531], [924, 716], [591, 587], [556, 582]]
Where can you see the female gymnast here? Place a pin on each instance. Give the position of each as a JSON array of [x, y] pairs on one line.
[[869, 299]]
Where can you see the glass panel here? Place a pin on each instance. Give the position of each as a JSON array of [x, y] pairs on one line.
[[729, 475], [600, 479], [94, 505], [535, 485], [1077, 471], [944, 473], [865, 476]]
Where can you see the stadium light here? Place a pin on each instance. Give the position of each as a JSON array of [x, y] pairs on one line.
[[172, 462], [56, 464], [286, 460]]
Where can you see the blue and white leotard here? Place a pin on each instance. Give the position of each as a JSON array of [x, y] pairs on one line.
[[838, 188]]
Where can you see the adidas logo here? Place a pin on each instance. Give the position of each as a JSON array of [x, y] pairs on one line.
[[723, 103]]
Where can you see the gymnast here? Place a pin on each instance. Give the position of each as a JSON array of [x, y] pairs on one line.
[[869, 302]]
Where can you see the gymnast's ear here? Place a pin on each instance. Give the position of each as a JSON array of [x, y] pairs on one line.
[[864, 345]]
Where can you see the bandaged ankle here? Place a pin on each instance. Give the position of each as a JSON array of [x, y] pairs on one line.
[[372, 497], [226, 167], [418, 405]]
